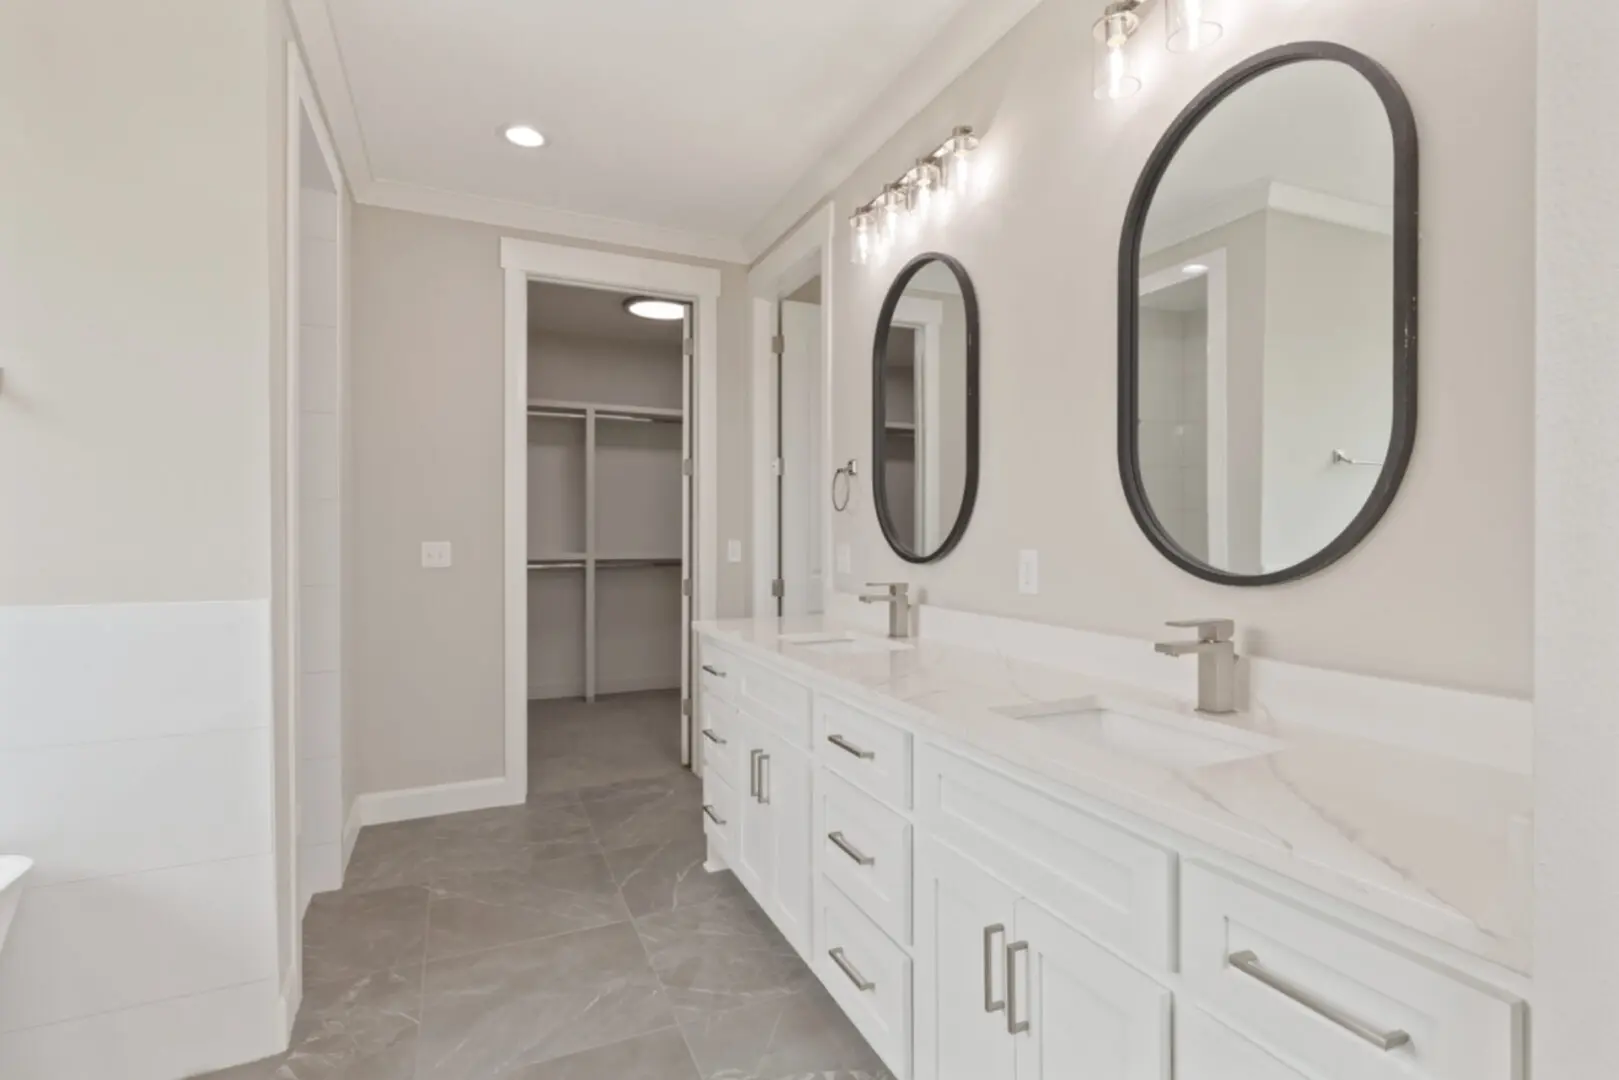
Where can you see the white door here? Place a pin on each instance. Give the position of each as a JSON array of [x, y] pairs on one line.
[[1079, 1012], [800, 487], [787, 794], [756, 844], [964, 919], [688, 582], [1206, 1049]]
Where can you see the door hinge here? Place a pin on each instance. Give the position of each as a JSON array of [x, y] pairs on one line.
[[688, 347], [685, 587], [777, 467], [685, 706], [778, 345], [685, 467], [778, 588]]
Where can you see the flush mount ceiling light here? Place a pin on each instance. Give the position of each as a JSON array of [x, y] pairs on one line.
[[647, 307], [934, 180], [1194, 269], [523, 135]]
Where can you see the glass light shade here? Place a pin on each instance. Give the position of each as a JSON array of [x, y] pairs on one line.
[[1115, 75], [891, 206], [1192, 24], [864, 226], [921, 185], [956, 158]]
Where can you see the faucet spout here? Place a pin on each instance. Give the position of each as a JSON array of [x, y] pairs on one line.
[[1216, 662], [898, 599]]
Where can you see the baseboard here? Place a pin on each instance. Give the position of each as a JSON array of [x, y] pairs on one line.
[[408, 804], [637, 685], [292, 998], [351, 833]]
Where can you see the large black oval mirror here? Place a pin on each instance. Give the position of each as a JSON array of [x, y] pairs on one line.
[[1268, 318], [925, 408]]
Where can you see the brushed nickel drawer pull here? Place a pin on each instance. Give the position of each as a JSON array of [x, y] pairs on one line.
[[991, 1005], [714, 671], [1248, 963], [861, 983], [845, 745], [764, 779], [1014, 1026], [850, 850], [714, 817], [753, 773], [708, 733]]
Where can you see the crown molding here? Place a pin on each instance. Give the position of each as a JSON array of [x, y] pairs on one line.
[[312, 22], [393, 195], [972, 33]]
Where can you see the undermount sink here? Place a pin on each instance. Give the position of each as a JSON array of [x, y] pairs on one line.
[[1162, 737], [12, 870], [824, 642]]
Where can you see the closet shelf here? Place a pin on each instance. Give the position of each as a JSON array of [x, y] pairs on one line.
[[576, 410]]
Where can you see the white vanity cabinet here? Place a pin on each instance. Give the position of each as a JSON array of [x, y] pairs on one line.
[[977, 922]]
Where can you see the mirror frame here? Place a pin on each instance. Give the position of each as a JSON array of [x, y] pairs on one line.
[[879, 489], [1403, 426]]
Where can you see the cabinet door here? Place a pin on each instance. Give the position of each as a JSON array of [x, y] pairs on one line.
[[964, 921], [785, 787], [1078, 1011], [756, 841], [1206, 1049]]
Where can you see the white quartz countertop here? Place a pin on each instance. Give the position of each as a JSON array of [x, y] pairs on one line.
[[1437, 844]]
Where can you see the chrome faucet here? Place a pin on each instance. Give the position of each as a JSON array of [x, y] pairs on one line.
[[898, 599], [1216, 661]]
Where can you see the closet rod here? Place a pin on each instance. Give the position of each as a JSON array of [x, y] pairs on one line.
[[640, 419], [556, 566], [619, 564]]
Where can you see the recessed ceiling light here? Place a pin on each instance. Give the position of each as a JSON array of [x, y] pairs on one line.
[[1194, 269], [646, 307], [529, 138]]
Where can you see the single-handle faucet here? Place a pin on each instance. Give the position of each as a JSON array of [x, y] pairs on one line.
[[898, 599], [1216, 661]]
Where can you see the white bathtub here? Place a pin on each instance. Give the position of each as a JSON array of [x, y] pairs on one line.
[[13, 868]]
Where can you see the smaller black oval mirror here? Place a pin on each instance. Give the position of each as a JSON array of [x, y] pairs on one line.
[[925, 408]]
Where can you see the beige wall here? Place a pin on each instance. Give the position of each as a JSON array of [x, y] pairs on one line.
[[1442, 591], [428, 370], [135, 323]]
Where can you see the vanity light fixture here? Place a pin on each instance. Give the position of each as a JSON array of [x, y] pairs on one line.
[[945, 173], [1113, 31], [525, 136], [1192, 24], [648, 307]]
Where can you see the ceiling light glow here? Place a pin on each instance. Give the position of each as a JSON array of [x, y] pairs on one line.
[[1193, 269], [646, 307], [525, 136]]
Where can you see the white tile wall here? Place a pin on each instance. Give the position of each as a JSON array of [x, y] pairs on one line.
[[320, 459], [318, 525], [136, 768], [318, 296], [318, 733], [320, 625], [182, 1036], [320, 869], [318, 382], [320, 813]]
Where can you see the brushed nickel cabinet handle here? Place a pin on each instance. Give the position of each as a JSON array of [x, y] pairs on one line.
[[713, 816], [753, 773], [708, 733], [845, 745], [991, 1005], [714, 671], [1014, 1026], [843, 845], [861, 983], [764, 779], [1248, 963]]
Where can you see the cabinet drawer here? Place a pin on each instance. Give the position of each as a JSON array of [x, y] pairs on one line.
[[1110, 884], [721, 741], [1206, 1049], [774, 700], [866, 851], [873, 981], [714, 675], [872, 754], [1334, 1001], [722, 813]]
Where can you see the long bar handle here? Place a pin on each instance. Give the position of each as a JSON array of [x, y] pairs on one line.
[[843, 845], [708, 733], [1014, 1026], [713, 815], [991, 1005], [714, 671], [753, 773], [1248, 963], [861, 983], [848, 747], [764, 778]]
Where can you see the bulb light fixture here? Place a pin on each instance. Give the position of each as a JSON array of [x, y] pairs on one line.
[[524, 136], [1192, 24], [1189, 25], [941, 176]]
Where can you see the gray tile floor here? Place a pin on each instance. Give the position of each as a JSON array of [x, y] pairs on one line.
[[574, 938]]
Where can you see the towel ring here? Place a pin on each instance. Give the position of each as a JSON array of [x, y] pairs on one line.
[[847, 475]]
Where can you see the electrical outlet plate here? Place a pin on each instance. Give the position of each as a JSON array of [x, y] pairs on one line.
[[437, 555]]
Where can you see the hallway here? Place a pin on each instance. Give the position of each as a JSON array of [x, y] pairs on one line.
[[577, 937]]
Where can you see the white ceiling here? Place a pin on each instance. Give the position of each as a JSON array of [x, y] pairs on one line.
[[692, 119], [595, 313]]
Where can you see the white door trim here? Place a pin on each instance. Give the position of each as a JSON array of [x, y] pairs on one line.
[[802, 255], [529, 260]]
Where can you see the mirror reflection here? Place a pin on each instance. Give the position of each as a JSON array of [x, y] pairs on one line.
[[1266, 374], [924, 381]]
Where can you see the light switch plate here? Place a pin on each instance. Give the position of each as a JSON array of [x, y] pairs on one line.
[[437, 555], [1028, 572], [733, 551], [845, 559]]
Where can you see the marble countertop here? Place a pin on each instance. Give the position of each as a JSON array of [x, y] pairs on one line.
[[1436, 844]]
